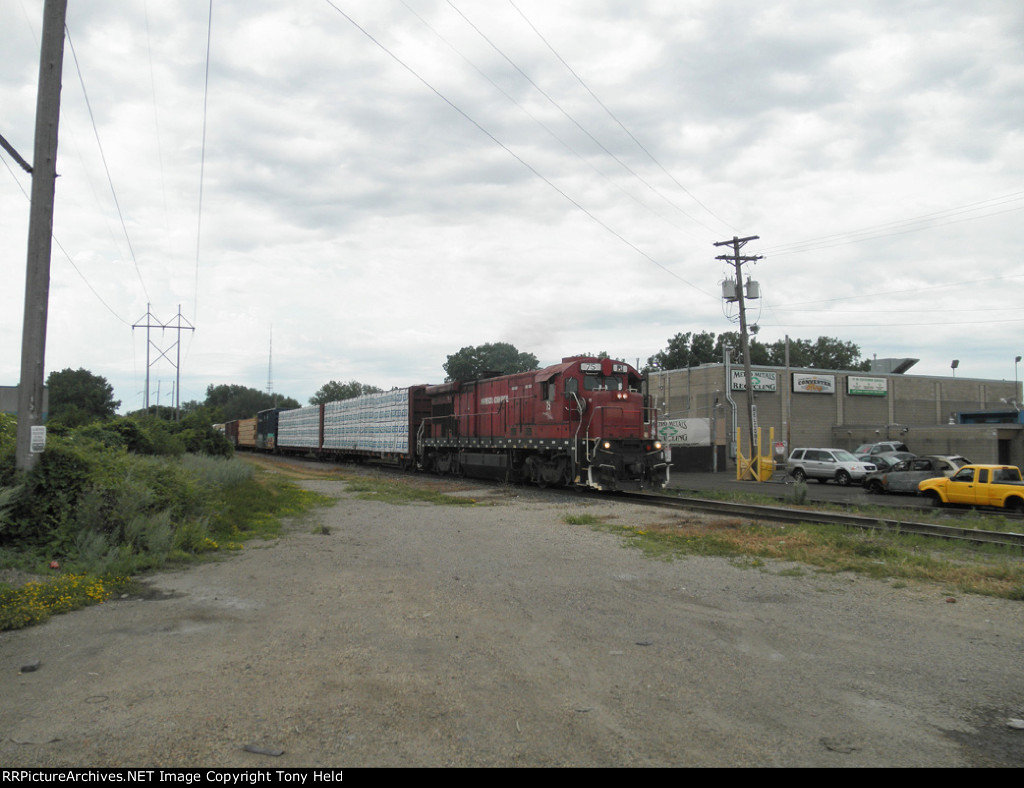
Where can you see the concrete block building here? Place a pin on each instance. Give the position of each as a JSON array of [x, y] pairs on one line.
[[979, 419]]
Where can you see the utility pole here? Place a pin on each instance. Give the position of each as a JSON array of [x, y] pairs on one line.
[[738, 260], [31, 435]]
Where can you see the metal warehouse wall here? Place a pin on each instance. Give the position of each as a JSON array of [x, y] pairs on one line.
[[9, 400], [915, 409]]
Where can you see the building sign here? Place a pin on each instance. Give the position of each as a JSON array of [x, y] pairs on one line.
[[763, 381], [814, 384], [866, 387], [685, 432]]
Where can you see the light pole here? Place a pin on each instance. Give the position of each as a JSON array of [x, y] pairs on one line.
[[954, 365], [1016, 361]]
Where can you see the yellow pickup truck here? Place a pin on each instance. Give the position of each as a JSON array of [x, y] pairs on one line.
[[1000, 486]]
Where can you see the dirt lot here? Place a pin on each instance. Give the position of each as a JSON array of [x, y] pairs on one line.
[[498, 635]]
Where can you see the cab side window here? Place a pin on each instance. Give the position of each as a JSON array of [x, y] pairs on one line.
[[966, 475]]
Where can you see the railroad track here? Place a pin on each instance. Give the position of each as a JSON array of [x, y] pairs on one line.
[[784, 514]]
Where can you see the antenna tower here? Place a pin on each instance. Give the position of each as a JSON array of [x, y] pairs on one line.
[[270, 365]]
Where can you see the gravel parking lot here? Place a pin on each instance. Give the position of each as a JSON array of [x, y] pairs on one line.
[[375, 635]]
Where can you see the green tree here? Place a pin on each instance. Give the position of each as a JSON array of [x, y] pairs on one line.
[[242, 402], [473, 362], [77, 397], [336, 392], [691, 350]]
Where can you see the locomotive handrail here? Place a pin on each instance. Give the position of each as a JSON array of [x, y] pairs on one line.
[[580, 406]]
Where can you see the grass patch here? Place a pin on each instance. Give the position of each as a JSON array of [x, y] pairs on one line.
[[369, 486], [581, 519], [253, 508], [990, 570], [976, 519], [230, 502], [400, 492]]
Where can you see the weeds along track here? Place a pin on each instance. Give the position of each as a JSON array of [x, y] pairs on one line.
[[783, 514]]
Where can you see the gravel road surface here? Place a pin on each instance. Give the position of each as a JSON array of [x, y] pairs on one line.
[[376, 635]]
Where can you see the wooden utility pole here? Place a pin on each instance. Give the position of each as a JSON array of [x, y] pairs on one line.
[[40, 233], [738, 261]]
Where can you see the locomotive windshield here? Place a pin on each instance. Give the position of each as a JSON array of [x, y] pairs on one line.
[[602, 383]]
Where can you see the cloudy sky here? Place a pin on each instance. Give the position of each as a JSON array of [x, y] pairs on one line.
[[373, 185]]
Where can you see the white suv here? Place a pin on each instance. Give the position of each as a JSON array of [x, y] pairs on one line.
[[836, 465]]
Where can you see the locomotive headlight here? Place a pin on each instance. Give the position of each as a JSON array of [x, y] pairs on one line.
[[607, 445], [657, 445]]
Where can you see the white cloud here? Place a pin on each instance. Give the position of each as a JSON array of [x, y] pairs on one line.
[[375, 229]]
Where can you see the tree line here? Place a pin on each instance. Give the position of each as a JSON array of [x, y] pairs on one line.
[[693, 349], [77, 397]]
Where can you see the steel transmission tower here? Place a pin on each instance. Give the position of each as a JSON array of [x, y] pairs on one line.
[[178, 323]]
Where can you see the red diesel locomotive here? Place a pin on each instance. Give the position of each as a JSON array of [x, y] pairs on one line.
[[583, 422]]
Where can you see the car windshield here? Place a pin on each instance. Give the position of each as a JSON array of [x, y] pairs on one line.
[[844, 456]]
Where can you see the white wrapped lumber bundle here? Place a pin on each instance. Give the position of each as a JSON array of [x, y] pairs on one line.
[[372, 424], [299, 428]]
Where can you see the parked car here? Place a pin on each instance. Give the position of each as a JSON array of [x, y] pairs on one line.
[[895, 456], [880, 461], [906, 475], [883, 447], [836, 465]]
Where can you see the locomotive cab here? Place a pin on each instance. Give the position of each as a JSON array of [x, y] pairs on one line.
[[618, 428]]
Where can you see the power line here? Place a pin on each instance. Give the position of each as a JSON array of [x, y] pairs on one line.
[[544, 126], [575, 122], [616, 119], [512, 153], [899, 227], [68, 255], [202, 160], [99, 145], [959, 283]]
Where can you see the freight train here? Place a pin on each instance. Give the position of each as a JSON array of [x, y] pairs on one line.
[[585, 422]]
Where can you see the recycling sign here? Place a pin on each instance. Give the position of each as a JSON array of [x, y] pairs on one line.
[[685, 432]]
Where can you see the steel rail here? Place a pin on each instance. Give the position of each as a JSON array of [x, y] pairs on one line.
[[792, 515]]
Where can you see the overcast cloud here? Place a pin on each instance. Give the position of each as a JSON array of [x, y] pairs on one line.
[[378, 203]]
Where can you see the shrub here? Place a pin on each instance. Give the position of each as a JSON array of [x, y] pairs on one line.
[[50, 492]]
